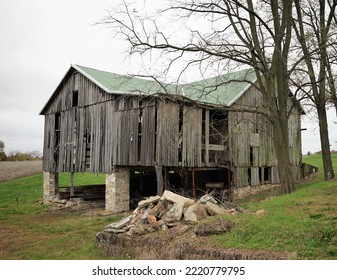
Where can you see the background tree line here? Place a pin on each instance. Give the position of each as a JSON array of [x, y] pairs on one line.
[[18, 155]]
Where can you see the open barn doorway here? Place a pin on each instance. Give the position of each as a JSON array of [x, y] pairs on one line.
[[215, 181], [143, 182], [189, 182]]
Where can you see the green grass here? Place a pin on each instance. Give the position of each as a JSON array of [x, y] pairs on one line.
[[316, 160], [28, 231], [303, 222]]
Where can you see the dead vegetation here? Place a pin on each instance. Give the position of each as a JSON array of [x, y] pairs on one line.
[[179, 243], [176, 227], [17, 169]]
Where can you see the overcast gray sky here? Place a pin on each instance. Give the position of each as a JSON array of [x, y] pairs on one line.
[[40, 40]]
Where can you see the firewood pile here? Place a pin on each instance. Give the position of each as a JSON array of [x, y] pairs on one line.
[[169, 210]]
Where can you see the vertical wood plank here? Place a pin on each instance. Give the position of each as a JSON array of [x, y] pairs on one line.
[[206, 137]]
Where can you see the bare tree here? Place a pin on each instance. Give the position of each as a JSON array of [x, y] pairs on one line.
[[313, 30], [252, 33]]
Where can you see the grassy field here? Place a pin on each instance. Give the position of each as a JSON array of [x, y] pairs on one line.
[[28, 231], [303, 223]]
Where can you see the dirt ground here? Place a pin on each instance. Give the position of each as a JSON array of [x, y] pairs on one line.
[[18, 169]]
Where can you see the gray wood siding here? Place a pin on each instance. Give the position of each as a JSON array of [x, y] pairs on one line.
[[148, 137], [89, 94], [105, 130], [167, 134], [192, 125], [251, 141], [250, 131], [49, 143]]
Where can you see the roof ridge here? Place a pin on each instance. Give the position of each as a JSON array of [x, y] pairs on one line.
[[131, 76], [221, 76]]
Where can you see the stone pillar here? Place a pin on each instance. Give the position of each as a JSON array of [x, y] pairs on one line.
[[50, 186], [117, 190]]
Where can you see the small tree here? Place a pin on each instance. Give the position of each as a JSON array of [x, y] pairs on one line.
[[3, 156]]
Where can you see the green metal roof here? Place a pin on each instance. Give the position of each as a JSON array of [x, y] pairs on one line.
[[121, 84], [221, 90]]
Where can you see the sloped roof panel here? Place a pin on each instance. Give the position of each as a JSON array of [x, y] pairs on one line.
[[122, 84], [221, 90]]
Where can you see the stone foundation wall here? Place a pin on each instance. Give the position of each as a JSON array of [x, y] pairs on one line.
[[50, 186], [243, 192], [117, 190]]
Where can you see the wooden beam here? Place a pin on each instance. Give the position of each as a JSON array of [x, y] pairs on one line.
[[159, 175], [213, 147], [166, 185]]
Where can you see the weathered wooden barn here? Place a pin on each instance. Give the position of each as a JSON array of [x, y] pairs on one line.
[[146, 136]]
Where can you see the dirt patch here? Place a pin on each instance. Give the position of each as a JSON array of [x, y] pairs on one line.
[[13, 239], [17, 169]]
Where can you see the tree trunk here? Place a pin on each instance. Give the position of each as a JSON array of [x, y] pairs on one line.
[[325, 144], [279, 121], [282, 154]]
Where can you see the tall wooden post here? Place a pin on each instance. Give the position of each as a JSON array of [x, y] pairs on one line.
[[159, 175], [193, 183], [72, 190]]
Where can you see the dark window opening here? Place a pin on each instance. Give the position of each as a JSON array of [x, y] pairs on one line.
[[260, 175], [181, 118], [249, 176], [256, 129], [87, 137], [267, 174], [57, 128], [75, 99], [251, 155], [217, 127], [140, 121], [128, 103]]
